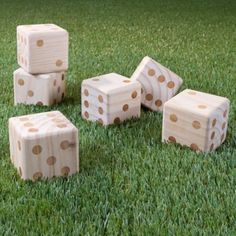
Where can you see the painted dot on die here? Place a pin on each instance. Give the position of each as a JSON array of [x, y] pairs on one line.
[[100, 121], [158, 103], [201, 106], [86, 103], [213, 135], [54, 82], [33, 130], [194, 147], [61, 126], [37, 149], [39, 103], [59, 63], [161, 78], [37, 176], [86, 92], [19, 145], [196, 124], [21, 82], [223, 125], [117, 120], [172, 139], [126, 81], [30, 93], [170, 84], [64, 144], [65, 171], [125, 107], [100, 110], [134, 94], [149, 97], [214, 122], [51, 160], [100, 98], [151, 72], [173, 118], [40, 43], [86, 114], [212, 147], [225, 113]]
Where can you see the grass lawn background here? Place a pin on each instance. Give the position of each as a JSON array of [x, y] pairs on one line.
[[129, 182]]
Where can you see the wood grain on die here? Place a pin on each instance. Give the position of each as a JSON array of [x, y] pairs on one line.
[[47, 143], [159, 84], [196, 119]]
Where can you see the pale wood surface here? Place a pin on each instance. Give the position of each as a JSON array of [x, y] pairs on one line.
[[110, 98], [196, 119], [44, 145], [40, 89], [42, 48], [159, 84]]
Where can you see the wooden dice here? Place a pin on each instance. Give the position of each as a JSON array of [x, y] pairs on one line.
[[42, 48], [42, 89], [110, 99], [159, 84], [43, 145], [196, 119]]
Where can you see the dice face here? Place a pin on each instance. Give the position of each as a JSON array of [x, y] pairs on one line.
[[43, 145], [195, 119], [42, 48], [159, 84], [42, 89], [110, 99]]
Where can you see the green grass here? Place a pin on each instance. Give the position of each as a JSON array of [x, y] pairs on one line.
[[129, 182]]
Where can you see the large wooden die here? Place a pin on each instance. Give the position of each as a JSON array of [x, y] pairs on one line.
[[159, 84], [40, 89], [43, 145], [110, 99], [42, 48], [195, 119]]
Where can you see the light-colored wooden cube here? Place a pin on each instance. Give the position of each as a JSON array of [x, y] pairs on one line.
[[110, 99], [159, 84], [43, 145], [41, 89], [42, 48], [195, 119]]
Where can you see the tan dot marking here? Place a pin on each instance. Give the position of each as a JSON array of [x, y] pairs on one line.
[[57, 120], [39, 103], [65, 171], [37, 149], [95, 79], [225, 113], [196, 124], [170, 84], [100, 98], [158, 103], [37, 176], [62, 77], [86, 114], [51, 160], [149, 97], [59, 89], [59, 63], [19, 145], [161, 78], [202, 106], [21, 82], [24, 119], [212, 147], [134, 94], [30, 93], [126, 81], [214, 122], [33, 130], [192, 93], [172, 139], [86, 92], [126, 107], [64, 144], [100, 121], [100, 110], [194, 147], [86, 103], [61, 125], [141, 91], [173, 118], [223, 125], [20, 171], [213, 135], [51, 114], [55, 82], [117, 120], [40, 43], [151, 72], [28, 124]]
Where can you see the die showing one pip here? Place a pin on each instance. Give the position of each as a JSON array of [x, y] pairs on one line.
[[110, 99], [42, 48], [43, 145], [195, 119], [41, 89], [159, 84]]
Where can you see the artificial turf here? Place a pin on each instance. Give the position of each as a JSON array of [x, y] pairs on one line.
[[129, 182]]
